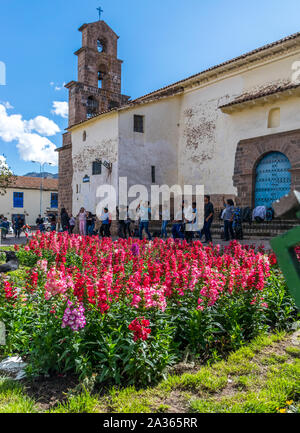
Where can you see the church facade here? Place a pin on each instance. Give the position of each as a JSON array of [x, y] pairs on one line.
[[234, 128]]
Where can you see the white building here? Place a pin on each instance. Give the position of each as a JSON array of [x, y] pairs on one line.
[[22, 198], [235, 128]]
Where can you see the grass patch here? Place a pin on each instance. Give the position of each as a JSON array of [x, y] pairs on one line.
[[263, 377], [13, 399], [293, 351], [82, 403]]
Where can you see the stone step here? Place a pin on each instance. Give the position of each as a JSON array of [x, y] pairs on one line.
[[265, 230]]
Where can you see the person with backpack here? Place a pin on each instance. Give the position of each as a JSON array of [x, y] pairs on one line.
[[237, 224]]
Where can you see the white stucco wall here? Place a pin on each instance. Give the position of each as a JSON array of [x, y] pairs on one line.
[[101, 143], [209, 137], [186, 137], [31, 203], [157, 146]]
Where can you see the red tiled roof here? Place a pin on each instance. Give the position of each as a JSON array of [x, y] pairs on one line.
[[24, 182], [261, 94]]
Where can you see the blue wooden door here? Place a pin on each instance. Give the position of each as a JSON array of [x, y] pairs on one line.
[[273, 179]]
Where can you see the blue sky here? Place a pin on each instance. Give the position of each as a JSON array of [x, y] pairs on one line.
[[161, 41]]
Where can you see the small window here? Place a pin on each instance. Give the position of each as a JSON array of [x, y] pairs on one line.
[[274, 118], [113, 104], [77, 189], [97, 167], [101, 46], [18, 199], [91, 107], [101, 76], [153, 174], [84, 136], [54, 200], [138, 123]]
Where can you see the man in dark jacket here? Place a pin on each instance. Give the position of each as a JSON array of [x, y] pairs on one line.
[[208, 218], [64, 220]]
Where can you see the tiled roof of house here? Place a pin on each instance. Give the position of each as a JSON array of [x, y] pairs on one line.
[[268, 91], [24, 182]]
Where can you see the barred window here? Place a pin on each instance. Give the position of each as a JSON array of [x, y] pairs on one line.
[[138, 123], [97, 167], [18, 199], [54, 200]]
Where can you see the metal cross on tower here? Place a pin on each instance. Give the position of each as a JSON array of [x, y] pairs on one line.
[[100, 10]]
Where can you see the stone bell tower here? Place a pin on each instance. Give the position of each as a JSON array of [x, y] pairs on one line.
[[97, 90]]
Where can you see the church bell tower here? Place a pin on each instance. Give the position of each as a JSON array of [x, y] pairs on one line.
[[97, 90]]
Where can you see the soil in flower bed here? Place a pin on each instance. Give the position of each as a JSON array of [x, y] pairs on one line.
[[47, 392]]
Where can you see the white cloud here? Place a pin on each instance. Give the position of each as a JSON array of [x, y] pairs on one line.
[[43, 126], [58, 87], [7, 105], [60, 109], [31, 146], [3, 162]]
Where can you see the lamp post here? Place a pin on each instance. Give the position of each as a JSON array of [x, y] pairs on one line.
[[42, 178]]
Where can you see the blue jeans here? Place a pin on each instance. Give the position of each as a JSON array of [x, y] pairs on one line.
[[144, 225], [91, 229], [206, 230], [176, 231], [164, 229], [228, 229]]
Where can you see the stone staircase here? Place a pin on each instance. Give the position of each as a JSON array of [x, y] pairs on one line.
[[265, 230]]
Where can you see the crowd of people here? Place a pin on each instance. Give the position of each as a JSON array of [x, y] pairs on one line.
[[17, 223], [185, 224]]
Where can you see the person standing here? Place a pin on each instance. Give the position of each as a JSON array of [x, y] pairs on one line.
[[18, 227], [208, 218], [127, 223], [104, 229], [82, 221], [228, 219], [72, 222], [5, 227], [165, 221], [178, 225], [90, 223], [144, 211], [53, 223], [189, 220], [121, 224], [40, 223], [64, 219]]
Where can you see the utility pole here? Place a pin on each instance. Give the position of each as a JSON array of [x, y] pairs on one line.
[[41, 184]]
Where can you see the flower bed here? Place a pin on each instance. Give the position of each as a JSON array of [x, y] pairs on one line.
[[126, 310]]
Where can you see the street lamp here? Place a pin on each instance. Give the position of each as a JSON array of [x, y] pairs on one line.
[[42, 178]]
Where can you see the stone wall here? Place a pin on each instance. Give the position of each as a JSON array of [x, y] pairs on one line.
[[250, 152], [65, 174]]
